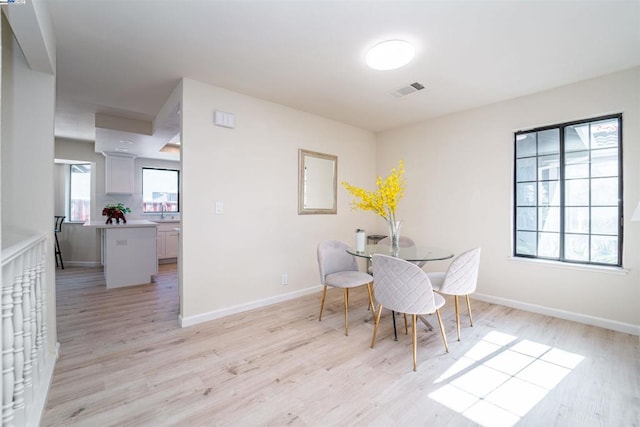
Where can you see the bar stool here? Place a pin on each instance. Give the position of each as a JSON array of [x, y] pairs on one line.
[[58, 229]]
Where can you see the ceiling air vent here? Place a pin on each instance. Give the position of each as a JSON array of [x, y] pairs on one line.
[[406, 90]]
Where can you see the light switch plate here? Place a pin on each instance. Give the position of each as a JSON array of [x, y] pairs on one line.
[[227, 120], [219, 208]]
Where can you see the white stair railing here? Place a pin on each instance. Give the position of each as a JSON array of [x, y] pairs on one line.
[[25, 379]]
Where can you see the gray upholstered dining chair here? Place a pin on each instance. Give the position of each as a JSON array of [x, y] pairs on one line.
[[404, 242], [460, 278], [339, 269], [405, 288]]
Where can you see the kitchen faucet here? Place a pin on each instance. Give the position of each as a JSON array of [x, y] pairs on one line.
[[162, 208]]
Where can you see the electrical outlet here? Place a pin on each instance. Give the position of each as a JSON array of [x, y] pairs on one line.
[[285, 279]]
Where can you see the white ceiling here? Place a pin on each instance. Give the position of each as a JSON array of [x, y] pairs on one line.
[[124, 57]]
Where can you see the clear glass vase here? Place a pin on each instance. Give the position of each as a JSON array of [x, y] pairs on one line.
[[394, 234]]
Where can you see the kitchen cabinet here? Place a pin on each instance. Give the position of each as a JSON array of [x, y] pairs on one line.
[[119, 174], [128, 252], [167, 240]]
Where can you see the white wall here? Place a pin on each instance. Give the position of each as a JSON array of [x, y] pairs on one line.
[[238, 257], [28, 100], [81, 245], [459, 173]]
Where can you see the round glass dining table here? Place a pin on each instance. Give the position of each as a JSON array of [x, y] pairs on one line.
[[414, 253]]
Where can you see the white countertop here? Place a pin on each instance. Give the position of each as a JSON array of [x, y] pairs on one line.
[[130, 223]]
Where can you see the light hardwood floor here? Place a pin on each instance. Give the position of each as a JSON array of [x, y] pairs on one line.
[[125, 361]]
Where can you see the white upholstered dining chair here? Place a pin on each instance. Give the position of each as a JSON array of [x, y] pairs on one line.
[[460, 278], [404, 242], [339, 269], [404, 287]]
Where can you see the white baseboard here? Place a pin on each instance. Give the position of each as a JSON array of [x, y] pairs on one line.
[[561, 314], [34, 414], [82, 263], [216, 314], [614, 325]]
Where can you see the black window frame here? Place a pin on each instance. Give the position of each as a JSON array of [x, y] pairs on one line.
[[561, 184], [142, 188]]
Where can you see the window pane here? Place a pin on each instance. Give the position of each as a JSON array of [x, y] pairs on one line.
[[549, 142], [526, 194], [576, 165], [569, 192], [549, 193], [604, 249], [604, 220], [604, 134], [604, 191], [526, 169], [526, 145], [576, 220], [549, 245], [549, 167], [576, 247], [576, 138], [160, 190], [80, 192], [549, 219], [526, 243], [604, 162], [526, 219], [577, 192]]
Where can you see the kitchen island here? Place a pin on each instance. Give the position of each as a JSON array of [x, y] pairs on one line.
[[128, 252]]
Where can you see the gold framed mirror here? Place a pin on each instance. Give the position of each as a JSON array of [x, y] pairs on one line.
[[317, 183]]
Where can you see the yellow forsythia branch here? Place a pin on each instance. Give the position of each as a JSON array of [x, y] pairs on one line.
[[384, 200]]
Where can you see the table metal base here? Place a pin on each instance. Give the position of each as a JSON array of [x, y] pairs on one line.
[[395, 331]]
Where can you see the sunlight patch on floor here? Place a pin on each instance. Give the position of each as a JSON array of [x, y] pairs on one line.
[[501, 378]]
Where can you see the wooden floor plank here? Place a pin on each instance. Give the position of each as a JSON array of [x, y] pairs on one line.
[[124, 360]]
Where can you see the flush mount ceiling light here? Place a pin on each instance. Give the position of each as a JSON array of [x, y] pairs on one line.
[[390, 55]]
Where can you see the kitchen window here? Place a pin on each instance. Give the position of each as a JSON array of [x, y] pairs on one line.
[[79, 192], [568, 192], [160, 190]]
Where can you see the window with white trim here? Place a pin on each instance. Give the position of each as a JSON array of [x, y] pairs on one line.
[[79, 192], [160, 190], [568, 192]]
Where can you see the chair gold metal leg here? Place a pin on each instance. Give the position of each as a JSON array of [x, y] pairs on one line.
[[406, 328], [469, 308], [324, 294], [346, 311], [444, 337], [457, 316], [371, 306], [375, 326], [415, 341]]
